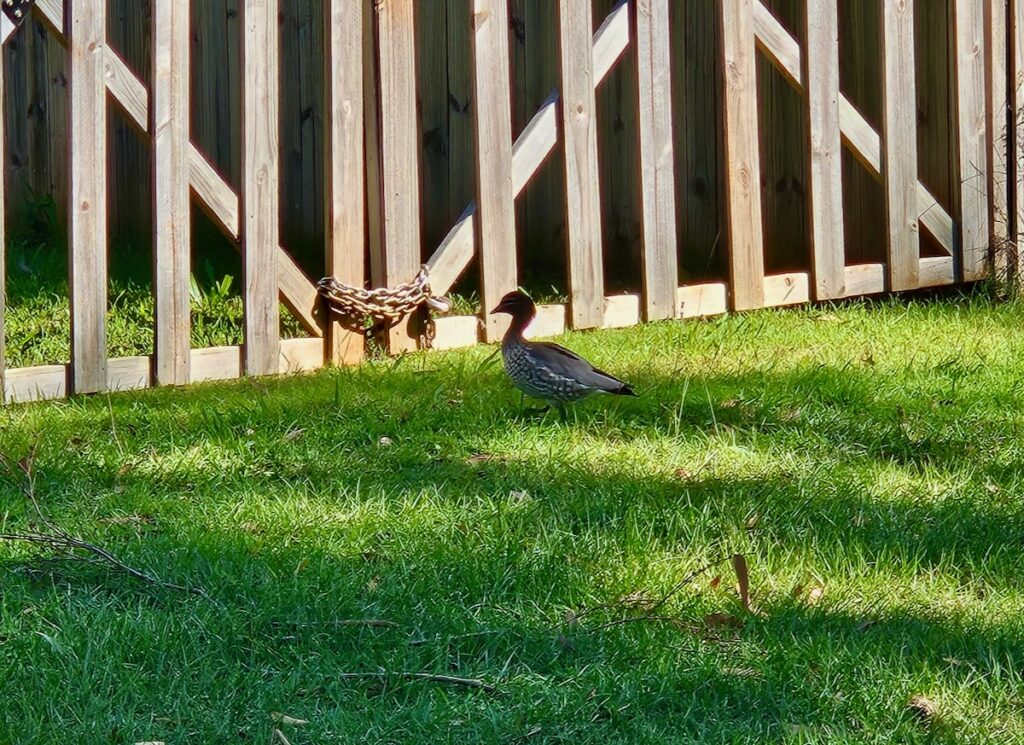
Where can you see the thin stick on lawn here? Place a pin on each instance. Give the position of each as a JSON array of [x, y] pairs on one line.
[[60, 540], [451, 680]]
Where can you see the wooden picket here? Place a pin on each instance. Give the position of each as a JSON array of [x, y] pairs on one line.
[[373, 198]]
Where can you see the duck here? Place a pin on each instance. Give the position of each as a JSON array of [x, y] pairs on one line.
[[548, 371]]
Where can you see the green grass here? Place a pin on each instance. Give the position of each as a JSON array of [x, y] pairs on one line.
[[873, 451]]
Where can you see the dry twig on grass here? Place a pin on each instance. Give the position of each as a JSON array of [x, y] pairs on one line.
[[60, 541], [449, 680]]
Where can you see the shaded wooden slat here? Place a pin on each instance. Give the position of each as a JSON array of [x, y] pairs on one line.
[[858, 134], [657, 159], [742, 155], [52, 12], [899, 133], [260, 197], [531, 149], [1015, 34], [43, 383], [399, 155], [492, 115], [172, 224], [583, 196], [826, 189], [936, 271], [344, 183], [7, 28], [969, 45], [298, 292], [622, 311], [87, 211]]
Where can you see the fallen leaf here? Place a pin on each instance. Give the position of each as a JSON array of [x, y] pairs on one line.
[[739, 564], [722, 621], [865, 625], [300, 566], [790, 415], [797, 592], [922, 707], [683, 474], [815, 594], [280, 718], [715, 581], [752, 521], [125, 468], [992, 488], [128, 520], [477, 458], [570, 618], [828, 317], [373, 584], [519, 496], [384, 442], [730, 403], [294, 434]]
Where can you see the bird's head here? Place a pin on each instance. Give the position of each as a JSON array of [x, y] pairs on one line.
[[518, 305]]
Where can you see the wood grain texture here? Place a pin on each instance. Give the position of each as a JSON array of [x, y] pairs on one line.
[[492, 116], [865, 279], [743, 156], [999, 132], [583, 195], [972, 127], [344, 183], [216, 363], [399, 147], [260, 196], [42, 383], [657, 159], [3, 226], [172, 223], [828, 241], [1016, 38], [704, 299], [87, 153], [899, 135], [857, 133]]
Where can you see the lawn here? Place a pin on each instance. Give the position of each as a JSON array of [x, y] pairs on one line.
[[866, 460]]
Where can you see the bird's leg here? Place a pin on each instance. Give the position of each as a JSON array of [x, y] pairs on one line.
[[562, 413]]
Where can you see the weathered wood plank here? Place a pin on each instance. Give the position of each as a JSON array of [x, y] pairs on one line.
[[3, 225], [260, 197], [999, 132], [399, 155], [865, 279], [791, 288], [936, 271], [492, 115], [531, 149], [657, 159], [583, 195], [622, 311], [43, 383], [129, 373], [826, 193], [705, 299], [344, 182], [172, 224], [899, 132], [87, 153], [301, 355], [969, 45], [216, 363], [455, 332], [858, 134], [742, 154], [1016, 39]]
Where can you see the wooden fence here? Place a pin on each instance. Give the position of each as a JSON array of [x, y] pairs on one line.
[[892, 128]]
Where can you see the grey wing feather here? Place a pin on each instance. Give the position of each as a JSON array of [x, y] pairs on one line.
[[566, 362]]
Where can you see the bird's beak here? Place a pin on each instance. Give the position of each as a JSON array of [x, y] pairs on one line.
[[500, 308]]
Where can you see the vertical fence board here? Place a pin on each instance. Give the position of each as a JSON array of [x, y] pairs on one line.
[[1016, 43], [583, 197], [657, 160], [999, 132], [899, 135], [172, 225], [969, 37], [399, 154], [496, 217], [3, 230], [88, 208], [343, 175], [743, 169], [826, 189], [260, 192]]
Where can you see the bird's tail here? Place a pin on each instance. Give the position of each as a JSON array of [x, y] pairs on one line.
[[623, 390]]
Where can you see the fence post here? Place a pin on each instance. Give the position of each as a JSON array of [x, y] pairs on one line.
[[742, 148], [344, 188], [492, 114], [259, 194], [172, 224], [87, 213]]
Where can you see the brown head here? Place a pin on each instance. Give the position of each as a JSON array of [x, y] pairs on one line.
[[518, 305]]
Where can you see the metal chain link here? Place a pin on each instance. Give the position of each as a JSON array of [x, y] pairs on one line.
[[383, 305]]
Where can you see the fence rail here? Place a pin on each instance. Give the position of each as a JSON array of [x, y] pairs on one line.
[[378, 193]]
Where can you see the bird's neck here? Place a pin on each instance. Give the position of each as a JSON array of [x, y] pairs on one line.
[[517, 327]]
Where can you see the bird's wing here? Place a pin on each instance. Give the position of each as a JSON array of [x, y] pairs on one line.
[[566, 362]]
